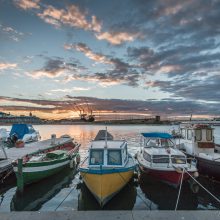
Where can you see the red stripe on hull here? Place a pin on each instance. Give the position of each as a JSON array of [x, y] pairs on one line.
[[170, 177]]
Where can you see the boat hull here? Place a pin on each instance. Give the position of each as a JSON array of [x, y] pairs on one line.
[[105, 185], [209, 168], [31, 174], [172, 178]]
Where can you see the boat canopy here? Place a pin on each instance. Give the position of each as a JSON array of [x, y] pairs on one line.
[[102, 134], [21, 129], [157, 135]]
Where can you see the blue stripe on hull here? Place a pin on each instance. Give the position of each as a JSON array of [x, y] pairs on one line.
[[104, 170]]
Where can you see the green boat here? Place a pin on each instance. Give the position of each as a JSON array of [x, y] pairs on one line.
[[43, 164]]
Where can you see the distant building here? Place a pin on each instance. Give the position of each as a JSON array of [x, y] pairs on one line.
[[157, 118], [12, 119], [3, 114]]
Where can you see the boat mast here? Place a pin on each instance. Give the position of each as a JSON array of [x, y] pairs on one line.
[[106, 136]]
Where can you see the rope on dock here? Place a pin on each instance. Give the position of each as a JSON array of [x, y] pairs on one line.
[[178, 197]]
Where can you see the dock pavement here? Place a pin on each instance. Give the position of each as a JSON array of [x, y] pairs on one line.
[[110, 215]]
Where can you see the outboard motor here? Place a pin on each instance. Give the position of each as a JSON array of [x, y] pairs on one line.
[[14, 138]]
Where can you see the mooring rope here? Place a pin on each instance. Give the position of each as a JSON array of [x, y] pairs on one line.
[[184, 170], [137, 192], [178, 197], [6, 175], [218, 200], [65, 197], [77, 170]]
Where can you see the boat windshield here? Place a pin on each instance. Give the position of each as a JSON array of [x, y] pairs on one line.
[[165, 143], [96, 157], [114, 157]]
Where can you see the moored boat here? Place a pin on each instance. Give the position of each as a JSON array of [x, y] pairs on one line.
[[21, 134], [46, 162], [197, 141], [159, 158], [107, 168]]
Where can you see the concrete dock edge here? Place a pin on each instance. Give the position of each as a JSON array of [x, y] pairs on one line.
[[110, 215]]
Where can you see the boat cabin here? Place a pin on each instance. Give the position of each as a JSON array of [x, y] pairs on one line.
[[197, 138], [107, 154], [158, 148]]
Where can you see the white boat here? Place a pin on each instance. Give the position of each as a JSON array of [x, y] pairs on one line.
[[3, 134], [197, 141], [160, 159], [107, 168]]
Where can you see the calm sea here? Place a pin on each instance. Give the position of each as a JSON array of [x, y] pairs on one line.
[[65, 191]]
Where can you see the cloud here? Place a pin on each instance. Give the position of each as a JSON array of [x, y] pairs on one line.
[[74, 17], [71, 16], [97, 57], [117, 38], [109, 78], [53, 68], [11, 33], [206, 90], [164, 107], [5, 66], [74, 89], [27, 4], [120, 72]]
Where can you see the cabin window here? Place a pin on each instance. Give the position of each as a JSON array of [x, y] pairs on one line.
[[208, 134], [189, 134], [96, 157], [183, 133], [153, 143], [198, 134], [147, 157], [166, 143], [114, 157], [178, 159], [160, 159]]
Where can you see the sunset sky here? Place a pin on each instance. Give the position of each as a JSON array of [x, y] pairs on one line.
[[142, 56]]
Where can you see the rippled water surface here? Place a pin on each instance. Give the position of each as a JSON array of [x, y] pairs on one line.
[[64, 191]]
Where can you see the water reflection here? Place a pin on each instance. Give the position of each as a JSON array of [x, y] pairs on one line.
[[206, 201], [124, 200], [165, 196], [49, 193], [35, 195]]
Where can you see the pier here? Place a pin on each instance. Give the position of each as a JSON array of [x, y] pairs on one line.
[[110, 215]]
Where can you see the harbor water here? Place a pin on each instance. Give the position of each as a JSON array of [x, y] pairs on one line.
[[65, 190]]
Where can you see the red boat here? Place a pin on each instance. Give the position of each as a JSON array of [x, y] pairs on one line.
[[160, 159]]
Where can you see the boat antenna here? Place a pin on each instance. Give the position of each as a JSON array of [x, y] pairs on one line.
[[106, 136]]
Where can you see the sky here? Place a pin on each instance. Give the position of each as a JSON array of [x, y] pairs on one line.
[[150, 57]]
